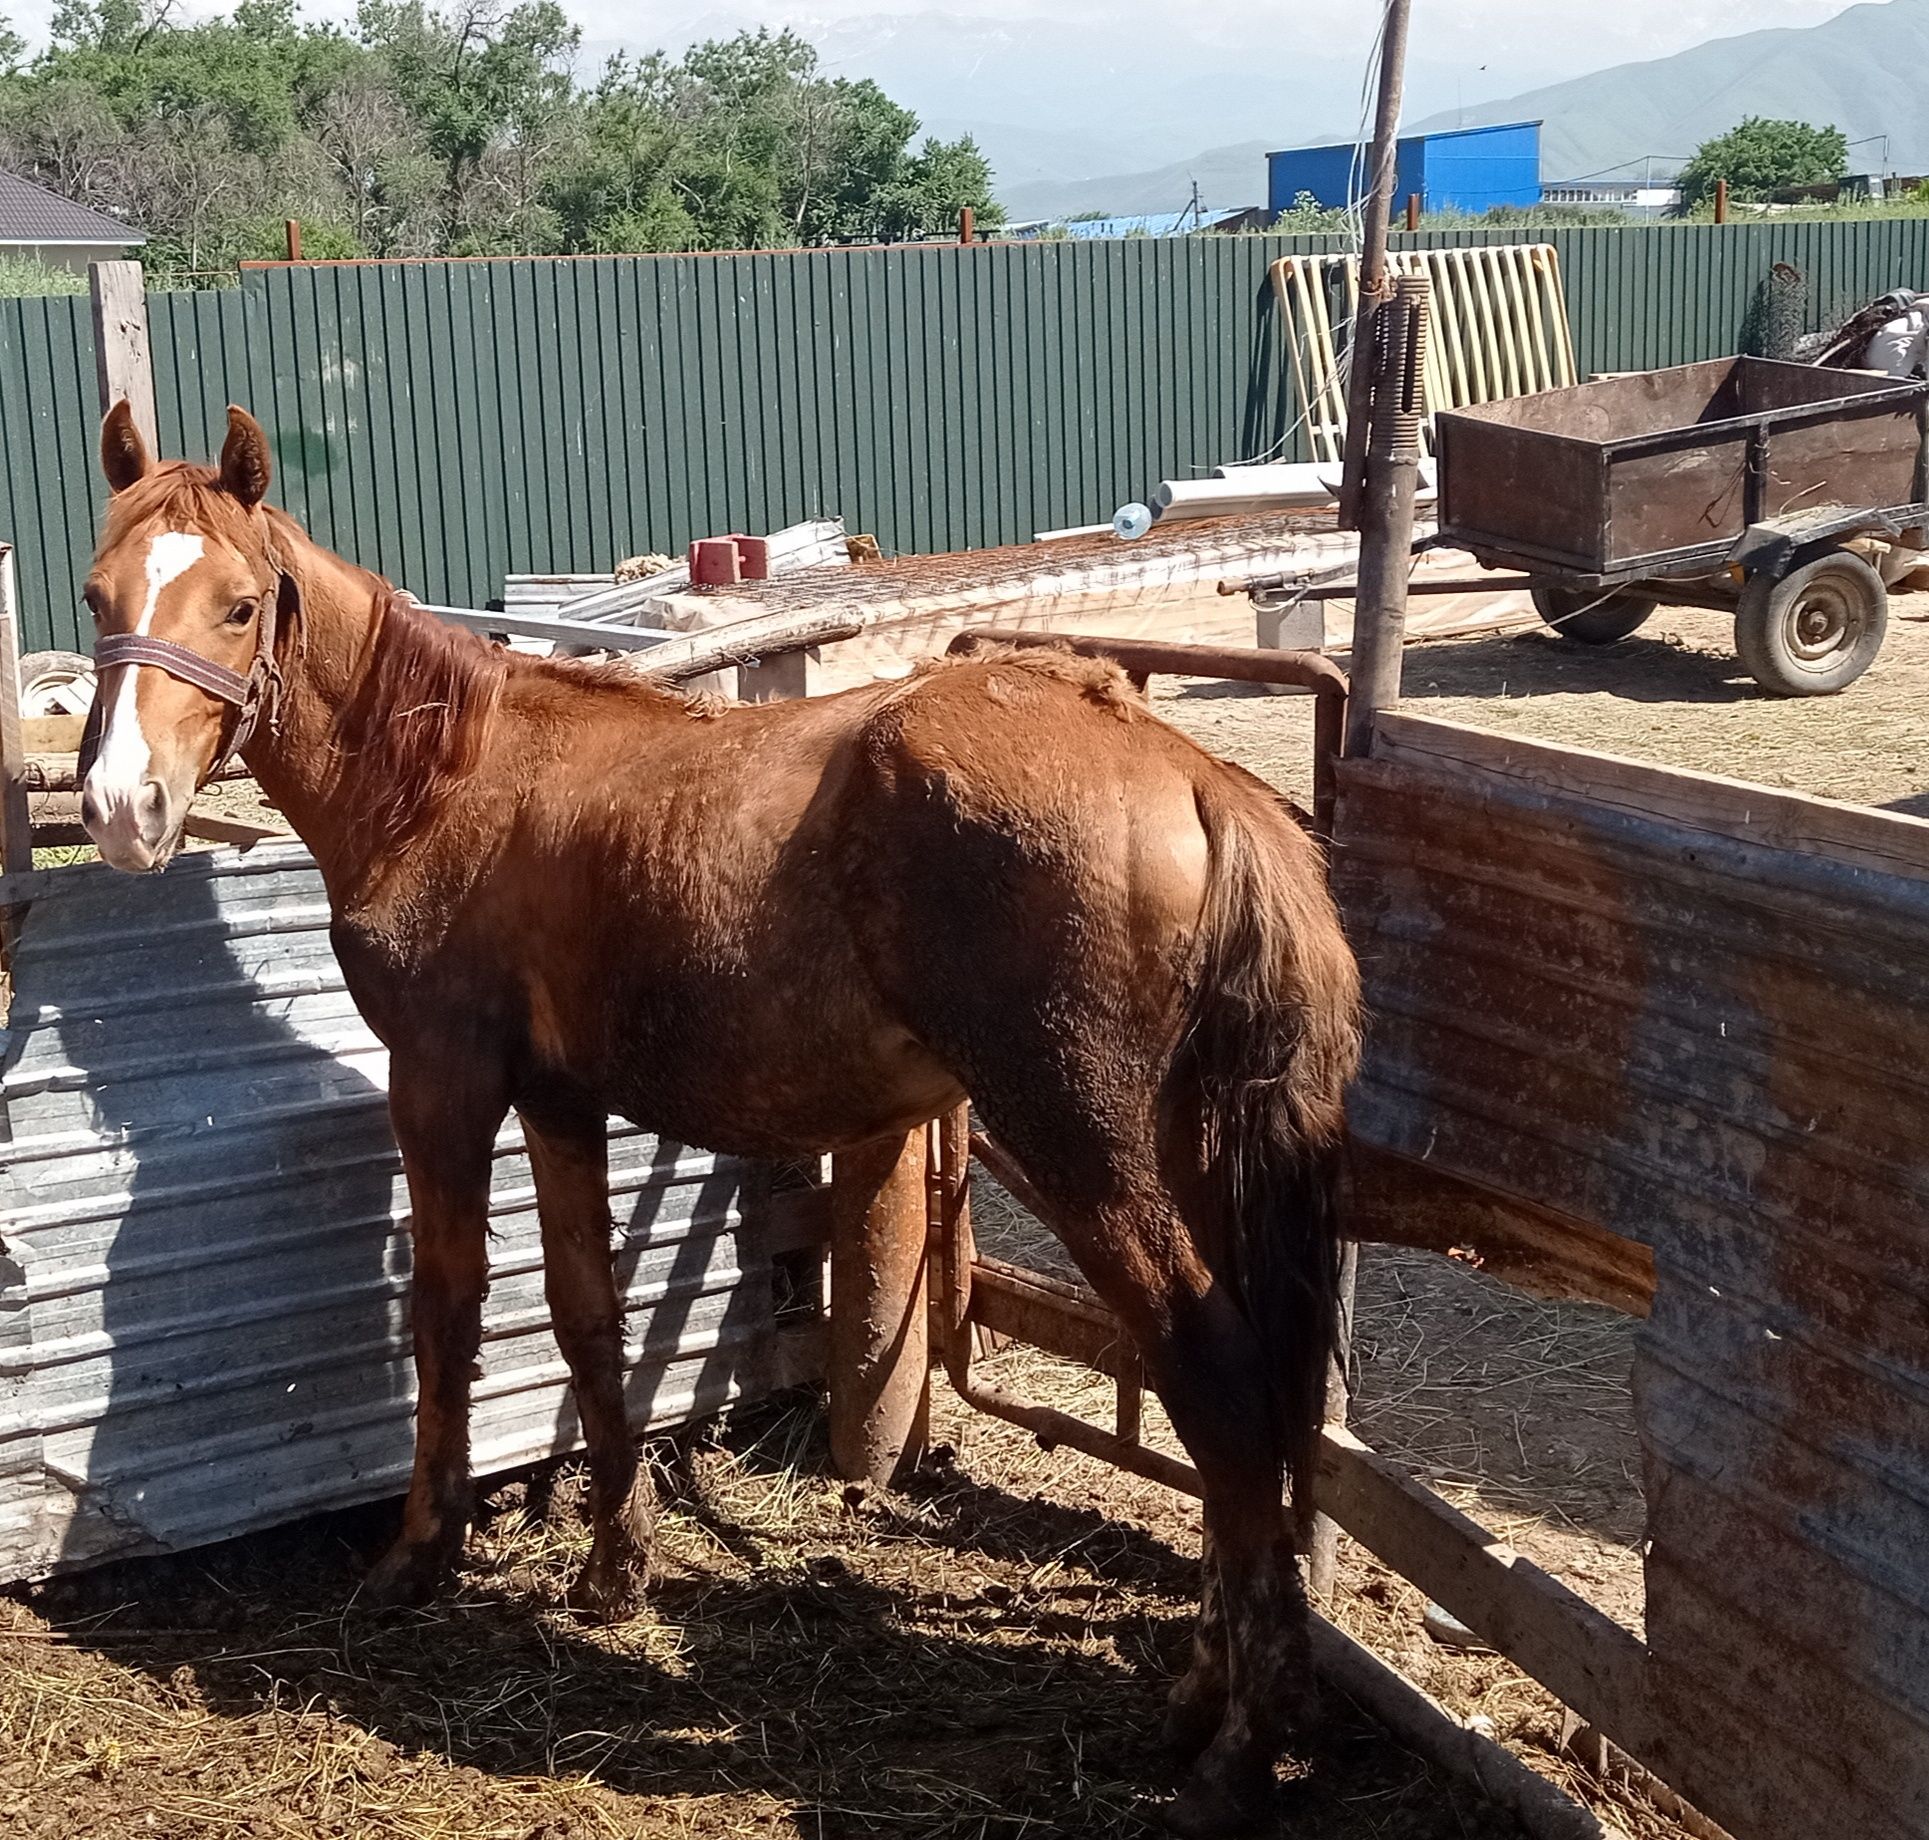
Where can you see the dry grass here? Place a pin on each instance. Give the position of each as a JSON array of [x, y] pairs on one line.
[[983, 1654]]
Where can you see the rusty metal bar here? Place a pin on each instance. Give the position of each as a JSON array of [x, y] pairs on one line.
[[1129, 1420], [1007, 1175], [1142, 659], [1349, 590], [1052, 1427], [47, 772], [1045, 1312], [948, 1231], [1386, 507], [1064, 1319], [1160, 657]]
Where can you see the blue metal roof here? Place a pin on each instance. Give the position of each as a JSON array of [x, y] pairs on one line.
[[1435, 134], [1151, 223]]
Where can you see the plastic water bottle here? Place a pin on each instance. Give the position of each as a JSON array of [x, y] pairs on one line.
[[1132, 521]]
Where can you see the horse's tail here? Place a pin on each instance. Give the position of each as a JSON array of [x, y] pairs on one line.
[[1271, 1039]]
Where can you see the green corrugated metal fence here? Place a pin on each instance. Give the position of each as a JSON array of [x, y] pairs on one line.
[[48, 482], [449, 422]]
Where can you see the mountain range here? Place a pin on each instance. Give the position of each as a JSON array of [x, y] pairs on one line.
[[1861, 71]]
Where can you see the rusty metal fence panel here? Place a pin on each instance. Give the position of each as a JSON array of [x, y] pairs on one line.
[[1695, 1014], [203, 1258]]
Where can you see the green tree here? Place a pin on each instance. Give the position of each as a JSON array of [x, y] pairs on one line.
[[455, 126], [934, 186], [489, 86], [1762, 156]]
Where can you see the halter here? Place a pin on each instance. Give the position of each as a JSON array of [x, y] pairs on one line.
[[257, 695]]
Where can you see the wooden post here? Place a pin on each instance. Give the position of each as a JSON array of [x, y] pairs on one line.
[[1413, 210], [121, 363], [16, 836], [1721, 201], [1374, 288], [1323, 1539], [880, 1339], [294, 239], [16, 824], [967, 221], [1396, 401]]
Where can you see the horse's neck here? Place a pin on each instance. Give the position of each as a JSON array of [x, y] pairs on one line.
[[292, 756]]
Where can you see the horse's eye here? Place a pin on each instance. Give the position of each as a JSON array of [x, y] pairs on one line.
[[241, 613], [90, 598]]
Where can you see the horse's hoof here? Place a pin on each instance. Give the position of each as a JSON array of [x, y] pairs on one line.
[[1210, 1807], [606, 1592], [406, 1577]]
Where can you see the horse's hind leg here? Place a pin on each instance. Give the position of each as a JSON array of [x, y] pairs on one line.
[[1209, 1370], [445, 1111], [1196, 1706], [1250, 1679], [570, 1155]]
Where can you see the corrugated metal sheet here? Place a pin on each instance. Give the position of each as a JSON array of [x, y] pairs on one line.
[[1705, 1030], [452, 422], [203, 1254]]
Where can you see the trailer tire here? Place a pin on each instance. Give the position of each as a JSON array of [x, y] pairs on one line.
[[1594, 616], [1815, 630]]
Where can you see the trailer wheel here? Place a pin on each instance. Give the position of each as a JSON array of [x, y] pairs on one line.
[[1816, 629], [1594, 616]]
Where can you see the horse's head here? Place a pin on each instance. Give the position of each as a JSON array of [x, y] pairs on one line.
[[183, 591]]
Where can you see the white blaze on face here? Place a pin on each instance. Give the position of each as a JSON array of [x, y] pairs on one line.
[[123, 765]]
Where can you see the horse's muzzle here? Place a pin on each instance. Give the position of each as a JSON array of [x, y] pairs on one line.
[[135, 830]]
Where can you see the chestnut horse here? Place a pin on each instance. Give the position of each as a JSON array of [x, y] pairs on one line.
[[780, 930]]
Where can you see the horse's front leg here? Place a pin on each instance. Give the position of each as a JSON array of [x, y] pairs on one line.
[[446, 1108], [569, 1151]]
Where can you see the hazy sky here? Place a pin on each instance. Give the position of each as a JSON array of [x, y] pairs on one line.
[[1500, 44]]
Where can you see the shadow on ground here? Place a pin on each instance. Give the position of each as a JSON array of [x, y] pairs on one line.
[[951, 1660], [1651, 667]]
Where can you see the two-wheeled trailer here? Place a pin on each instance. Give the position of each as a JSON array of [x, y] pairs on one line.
[[1785, 495]]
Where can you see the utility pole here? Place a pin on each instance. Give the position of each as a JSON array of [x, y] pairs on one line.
[[1384, 406], [1198, 208], [1382, 421]]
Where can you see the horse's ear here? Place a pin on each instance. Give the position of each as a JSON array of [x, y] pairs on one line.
[[246, 467], [123, 454]]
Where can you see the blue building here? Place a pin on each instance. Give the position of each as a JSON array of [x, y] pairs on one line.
[[1463, 169]]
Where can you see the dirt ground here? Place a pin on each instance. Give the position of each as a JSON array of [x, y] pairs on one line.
[[1674, 693], [984, 1654]]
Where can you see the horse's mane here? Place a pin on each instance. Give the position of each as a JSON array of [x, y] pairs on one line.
[[415, 722]]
